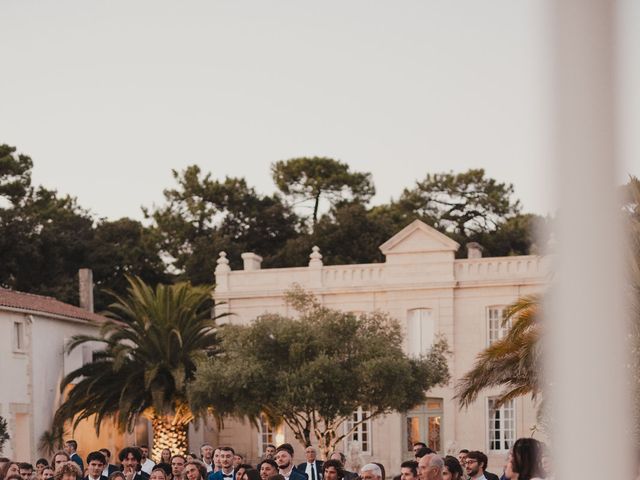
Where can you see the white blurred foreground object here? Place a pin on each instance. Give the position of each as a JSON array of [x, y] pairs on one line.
[[587, 315]]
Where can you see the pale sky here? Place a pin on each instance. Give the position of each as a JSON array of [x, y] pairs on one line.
[[108, 97]]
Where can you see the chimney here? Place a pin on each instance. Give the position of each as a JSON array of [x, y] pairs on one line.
[[85, 276], [474, 250], [251, 261]]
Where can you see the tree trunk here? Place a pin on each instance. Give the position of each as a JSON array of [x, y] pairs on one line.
[[315, 208], [168, 435]]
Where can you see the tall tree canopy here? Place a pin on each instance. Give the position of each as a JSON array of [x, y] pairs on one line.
[[15, 174], [119, 248], [43, 242], [314, 371], [46, 237], [309, 179], [462, 203], [204, 216]]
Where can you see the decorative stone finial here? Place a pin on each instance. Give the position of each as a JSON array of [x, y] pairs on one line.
[[251, 261], [315, 257], [474, 250], [223, 263]]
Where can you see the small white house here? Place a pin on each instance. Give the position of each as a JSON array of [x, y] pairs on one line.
[[33, 332]]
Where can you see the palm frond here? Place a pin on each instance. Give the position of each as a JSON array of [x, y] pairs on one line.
[[148, 356], [513, 362]]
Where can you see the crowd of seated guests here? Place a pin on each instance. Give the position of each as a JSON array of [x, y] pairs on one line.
[[526, 461]]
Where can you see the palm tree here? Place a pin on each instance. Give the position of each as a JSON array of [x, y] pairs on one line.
[[151, 348], [513, 362]]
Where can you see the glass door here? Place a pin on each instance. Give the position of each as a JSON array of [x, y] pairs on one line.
[[424, 424]]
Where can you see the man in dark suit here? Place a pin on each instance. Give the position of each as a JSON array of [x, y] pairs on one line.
[[226, 471], [312, 467], [109, 468], [284, 459], [476, 463], [71, 447], [130, 458], [95, 465]]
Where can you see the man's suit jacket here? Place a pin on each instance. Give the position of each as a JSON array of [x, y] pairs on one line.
[[491, 476], [102, 477], [111, 468], [297, 474], [140, 475], [78, 459], [220, 476], [350, 475], [303, 469]]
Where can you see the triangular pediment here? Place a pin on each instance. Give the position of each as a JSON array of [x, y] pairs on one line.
[[418, 237]]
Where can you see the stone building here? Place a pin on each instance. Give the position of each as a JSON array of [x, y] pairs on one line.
[[430, 292]]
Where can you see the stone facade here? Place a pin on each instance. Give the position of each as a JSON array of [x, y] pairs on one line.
[[429, 292]]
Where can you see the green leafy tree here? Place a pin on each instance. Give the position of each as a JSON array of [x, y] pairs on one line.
[[522, 234], [314, 371], [4, 433], [119, 248], [309, 179], [204, 216], [46, 237], [44, 240], [15, 174], [463, 203], [150, 353], [351, 233]]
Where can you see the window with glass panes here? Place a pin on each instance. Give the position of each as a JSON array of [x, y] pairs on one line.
[[502, 425], [266, 434], [495, 317], [362, 433]]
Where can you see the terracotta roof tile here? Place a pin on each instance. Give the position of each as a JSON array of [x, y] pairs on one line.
[[42, 304]]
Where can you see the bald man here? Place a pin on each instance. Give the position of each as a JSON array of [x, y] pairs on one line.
[[430, 467]]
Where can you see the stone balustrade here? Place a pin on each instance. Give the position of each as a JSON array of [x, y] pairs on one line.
[[502, 268], [528, 268]]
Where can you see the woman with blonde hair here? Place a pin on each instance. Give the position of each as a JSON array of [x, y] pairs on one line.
[[165, 456], [117, 475], [158, 473], [68, 471]]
